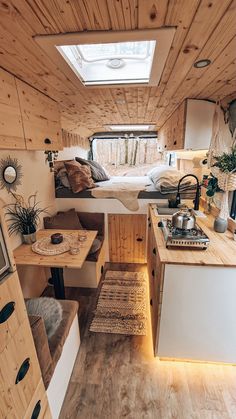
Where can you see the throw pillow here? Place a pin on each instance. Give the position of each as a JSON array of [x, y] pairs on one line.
[[95, 246], [49, 309], [98, 172], [79, 176], [68, 220], [62, 177]]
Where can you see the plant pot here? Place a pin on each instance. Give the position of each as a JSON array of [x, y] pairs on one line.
[[29, 238], [220, 225]]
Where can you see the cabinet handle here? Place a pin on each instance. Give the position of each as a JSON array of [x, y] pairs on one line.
[[7, 311], [139, 239], [151, 302], [47, 141], [175, 142], [154, 251], [36, 411], [149, 224], [153, 272], [23, 370]]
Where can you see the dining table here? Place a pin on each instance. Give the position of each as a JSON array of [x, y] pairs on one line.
[[74, 257]]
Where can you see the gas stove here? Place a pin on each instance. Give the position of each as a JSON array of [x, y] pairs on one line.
[[192, 239]]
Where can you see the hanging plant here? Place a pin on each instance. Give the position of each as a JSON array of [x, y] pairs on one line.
[[227, 161]]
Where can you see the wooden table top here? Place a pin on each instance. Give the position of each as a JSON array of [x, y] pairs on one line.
[[220, 252], [24, 255]]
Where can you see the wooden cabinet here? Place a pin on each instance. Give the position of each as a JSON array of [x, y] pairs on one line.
[[11, 129], [12, 309], [41, 119], [189, 127], [28, 119], [156, 279], [20, 374], [127, 238]]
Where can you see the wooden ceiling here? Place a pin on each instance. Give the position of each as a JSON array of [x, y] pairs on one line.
[[205, 29]]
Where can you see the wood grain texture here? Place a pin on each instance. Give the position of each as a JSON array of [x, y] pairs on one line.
[[17, 397], [10, 291], [11, 129], [220, 252], [172, 133], [127, 238], [204, 29], [24, 255], [41, 119], [117, 376]]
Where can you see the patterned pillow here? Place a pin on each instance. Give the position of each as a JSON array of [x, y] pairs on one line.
[[79, 176], [98, 172]]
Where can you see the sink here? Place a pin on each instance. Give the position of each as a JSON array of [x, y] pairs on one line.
[[166, 210]]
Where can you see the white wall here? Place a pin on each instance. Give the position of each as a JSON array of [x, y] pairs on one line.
[[36, 177]]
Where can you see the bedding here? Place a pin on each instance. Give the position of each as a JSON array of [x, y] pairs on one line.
[[97, 171], [79, 176]]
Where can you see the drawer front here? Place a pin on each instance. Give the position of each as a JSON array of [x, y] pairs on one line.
[[12, 309], [39, 407], [20, 372]]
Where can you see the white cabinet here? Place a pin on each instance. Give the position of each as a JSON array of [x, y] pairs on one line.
[[198, 128], [189, 127]]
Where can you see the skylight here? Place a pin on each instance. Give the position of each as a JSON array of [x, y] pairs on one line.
[[111, 63], [135, 127]]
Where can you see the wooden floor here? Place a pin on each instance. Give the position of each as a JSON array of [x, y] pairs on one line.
[[117, 376]]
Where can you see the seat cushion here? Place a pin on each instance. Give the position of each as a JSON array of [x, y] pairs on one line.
[[67, 220], [42, 348], [69, 311]]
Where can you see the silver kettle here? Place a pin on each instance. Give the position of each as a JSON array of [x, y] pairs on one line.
[[184, 219]]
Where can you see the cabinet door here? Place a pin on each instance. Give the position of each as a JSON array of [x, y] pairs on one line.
[[12, 309], [127, 238], [156, 278], [41, 119], [11, 129], [19, 372]]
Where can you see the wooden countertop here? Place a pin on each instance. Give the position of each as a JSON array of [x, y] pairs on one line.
[[24, 255], [220, 252]]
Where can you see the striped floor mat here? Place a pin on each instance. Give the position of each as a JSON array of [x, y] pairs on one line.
[[122, 304]]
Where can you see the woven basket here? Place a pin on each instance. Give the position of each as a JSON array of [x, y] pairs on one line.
[[226, 181]]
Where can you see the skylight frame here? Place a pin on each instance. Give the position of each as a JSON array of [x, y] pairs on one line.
[[130, 127], [163, 37]]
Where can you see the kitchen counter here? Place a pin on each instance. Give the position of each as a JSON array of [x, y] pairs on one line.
[[192, 296], [220, 252]]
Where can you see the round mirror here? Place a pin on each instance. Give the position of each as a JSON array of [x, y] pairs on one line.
[[10, 174]]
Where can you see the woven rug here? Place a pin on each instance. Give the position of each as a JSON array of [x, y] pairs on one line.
[[122, 304]]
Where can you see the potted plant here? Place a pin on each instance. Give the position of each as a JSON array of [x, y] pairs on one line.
[[224, 169], [24, 217]]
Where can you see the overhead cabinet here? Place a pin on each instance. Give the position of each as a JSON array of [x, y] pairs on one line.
[[189, 127], [11, 128], [28, 118], [41, 119]]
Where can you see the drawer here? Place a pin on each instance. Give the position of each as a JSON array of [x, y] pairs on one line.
[[39, 407], [12, 309], [19, 372]]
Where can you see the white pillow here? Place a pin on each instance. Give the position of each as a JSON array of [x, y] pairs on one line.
[[168, 178], [155, 171]]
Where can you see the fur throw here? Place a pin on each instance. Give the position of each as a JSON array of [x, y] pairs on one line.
[[49, 309]]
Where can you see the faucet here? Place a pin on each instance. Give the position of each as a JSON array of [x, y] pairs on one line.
[[197, 196]]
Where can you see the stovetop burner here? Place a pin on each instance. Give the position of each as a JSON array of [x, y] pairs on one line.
[[194, 238]]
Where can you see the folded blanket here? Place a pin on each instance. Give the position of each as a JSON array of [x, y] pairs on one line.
[[183, 188], [169, 179]]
